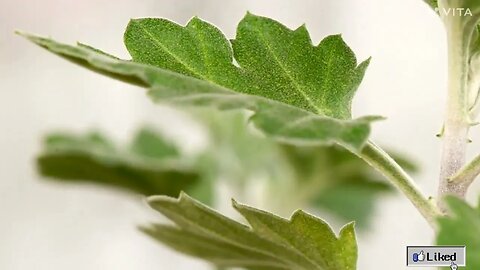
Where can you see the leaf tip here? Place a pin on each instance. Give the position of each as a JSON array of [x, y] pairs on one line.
[[160, 199], [236, 205], [20, 33], [25, 35], [347, 231], [194, 21]]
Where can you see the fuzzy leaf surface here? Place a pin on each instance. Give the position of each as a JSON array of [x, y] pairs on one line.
[[302, 98], [275, 62], [269, 242]]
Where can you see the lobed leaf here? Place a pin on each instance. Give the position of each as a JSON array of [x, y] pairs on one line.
[[299, 93], [303, 243]]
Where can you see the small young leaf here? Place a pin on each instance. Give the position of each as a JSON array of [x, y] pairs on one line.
[[305, 103], [461, 227], [304, 242], [92, 158]]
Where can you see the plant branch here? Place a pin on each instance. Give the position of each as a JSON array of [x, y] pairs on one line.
[[466, 175], [381, 161]]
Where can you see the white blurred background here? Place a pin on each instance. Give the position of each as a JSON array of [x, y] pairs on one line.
[[44, 225]]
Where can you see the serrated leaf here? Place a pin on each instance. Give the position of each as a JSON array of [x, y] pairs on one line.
[[199, 50], [280, 110], [461, 227], [302, 243], [275, 62], [288, 68], [94, 159]]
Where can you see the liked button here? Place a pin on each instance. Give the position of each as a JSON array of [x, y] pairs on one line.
[[437, 256]]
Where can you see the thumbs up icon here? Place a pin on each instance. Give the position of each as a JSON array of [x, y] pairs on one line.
[[419, 257], [454, 266]]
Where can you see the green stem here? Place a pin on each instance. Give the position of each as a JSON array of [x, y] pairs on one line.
[[457, 122], [466, 175], [381, 161]]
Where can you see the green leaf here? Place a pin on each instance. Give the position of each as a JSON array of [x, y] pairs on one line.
[[270, 242], [149, 144], [334, 179], [199, 50], [461, 227], [305, 103], [275, 62], [94, 159], [432, 3], [321, 79], [353, 200]]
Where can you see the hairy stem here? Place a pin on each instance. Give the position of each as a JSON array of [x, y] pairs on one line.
[[466, 175], [381, 161], [456, 126]]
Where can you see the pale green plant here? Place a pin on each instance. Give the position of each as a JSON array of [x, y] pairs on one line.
[[297, 94]]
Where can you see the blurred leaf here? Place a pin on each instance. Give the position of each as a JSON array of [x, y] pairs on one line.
[[336, 180], [152, 166], [330, 178], [149, 144], [273, 243], [299, 93], [432, 3], [352, 200], [461, 227]]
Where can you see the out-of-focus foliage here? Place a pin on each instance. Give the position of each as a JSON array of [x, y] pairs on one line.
[[150, 165], [270, 243], [298, 93], [328, 178], [462, 228]]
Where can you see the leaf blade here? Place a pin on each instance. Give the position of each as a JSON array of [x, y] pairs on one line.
[[207, 225], [167, 86]]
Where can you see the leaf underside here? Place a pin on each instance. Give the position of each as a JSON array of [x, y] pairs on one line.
[[269, 242], [94, 159], [299, 93]]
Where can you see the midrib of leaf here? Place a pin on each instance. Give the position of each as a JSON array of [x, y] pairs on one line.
[[326, 78], [226, 240], [176, 57], [244, 259], [287, 73], [202, 42]]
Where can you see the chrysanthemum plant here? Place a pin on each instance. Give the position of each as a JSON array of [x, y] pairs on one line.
[[298, 97]]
